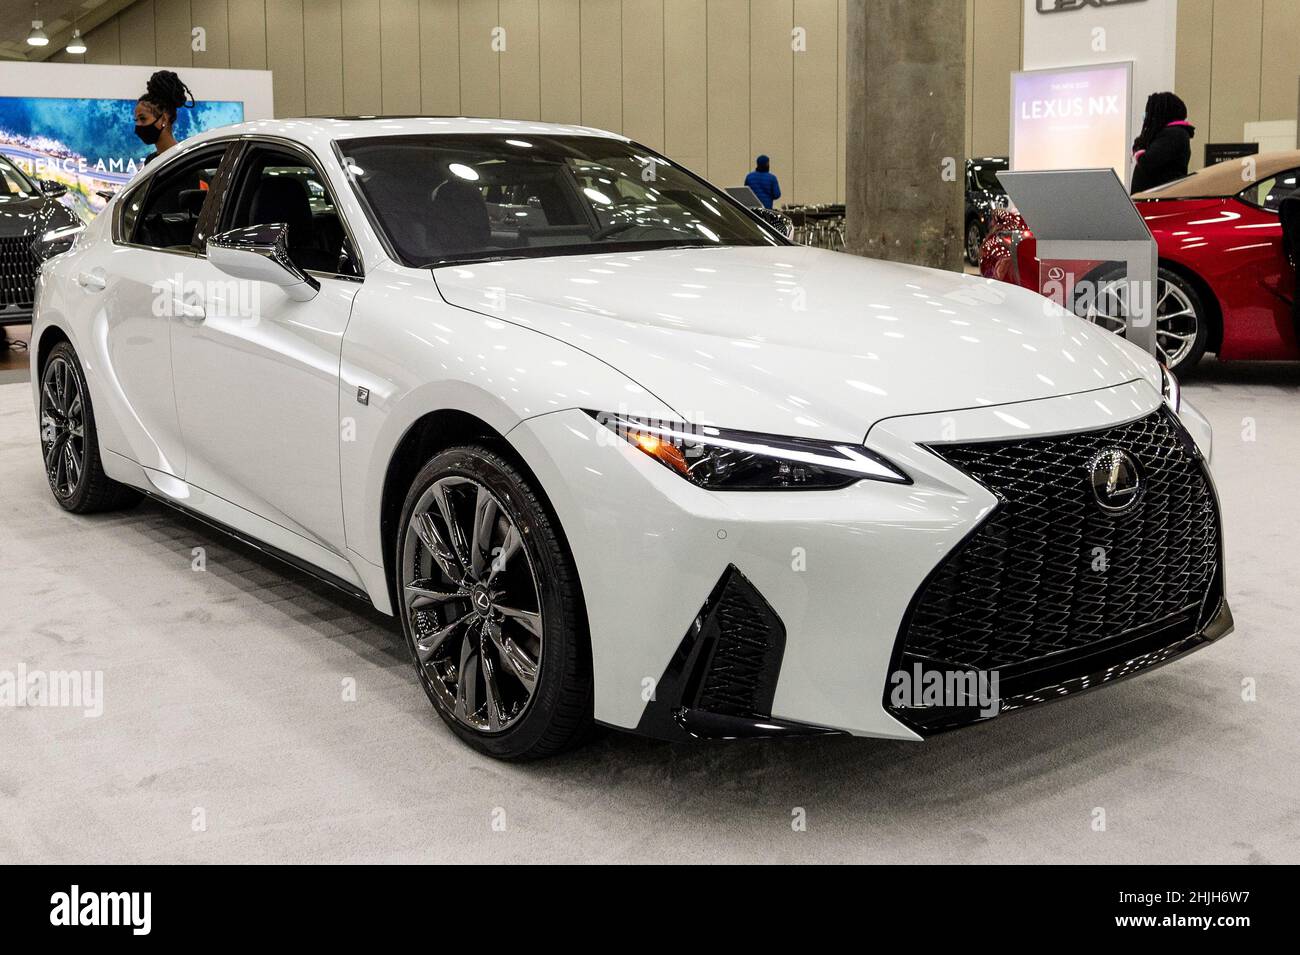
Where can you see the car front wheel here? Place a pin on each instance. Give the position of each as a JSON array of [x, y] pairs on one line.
[[491, 607]]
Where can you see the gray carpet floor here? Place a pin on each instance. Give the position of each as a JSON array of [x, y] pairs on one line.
[[226, 735]]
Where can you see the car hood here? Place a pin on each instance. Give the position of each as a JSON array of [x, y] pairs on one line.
[[23, 216], [800, 341]]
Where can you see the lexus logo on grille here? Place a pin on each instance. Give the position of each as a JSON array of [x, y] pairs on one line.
[[1116, 481]]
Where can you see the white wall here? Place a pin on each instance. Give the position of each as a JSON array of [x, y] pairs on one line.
[[93, 81], [710, 82], [1144, 31]]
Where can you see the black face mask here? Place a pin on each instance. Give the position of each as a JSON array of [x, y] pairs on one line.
[[148, 133]]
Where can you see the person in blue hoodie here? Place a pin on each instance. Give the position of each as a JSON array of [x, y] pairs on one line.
[[763, 184]]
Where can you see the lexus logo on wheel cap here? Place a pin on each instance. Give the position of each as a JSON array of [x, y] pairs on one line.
[[1116, 480]]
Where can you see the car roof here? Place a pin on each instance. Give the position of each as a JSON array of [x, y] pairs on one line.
[[1225, 178], [319, 132]]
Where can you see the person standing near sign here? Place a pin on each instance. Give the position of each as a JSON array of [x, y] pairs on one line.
[[155, 111], [1163, 148]]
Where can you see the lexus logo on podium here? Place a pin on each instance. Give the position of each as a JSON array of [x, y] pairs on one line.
[[1063, 6]]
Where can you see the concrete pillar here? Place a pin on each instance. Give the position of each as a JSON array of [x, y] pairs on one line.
[[905, 168]]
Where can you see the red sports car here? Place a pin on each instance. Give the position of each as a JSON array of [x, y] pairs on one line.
[[1225, 283]]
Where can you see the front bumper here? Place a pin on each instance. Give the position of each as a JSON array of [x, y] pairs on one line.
[[838, 570], [1143, 652], [15, 315]]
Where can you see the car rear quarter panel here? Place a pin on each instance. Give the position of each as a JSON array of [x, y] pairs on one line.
[[1236, 250], [64, 309]]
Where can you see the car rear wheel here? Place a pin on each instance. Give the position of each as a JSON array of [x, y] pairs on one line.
[[70, 443], [1182, 322], [491, 607]]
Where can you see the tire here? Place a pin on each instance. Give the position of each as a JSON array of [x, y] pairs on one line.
[[1182, 318], [974, 239], [70, 442], [466, 600], [1187, 362]]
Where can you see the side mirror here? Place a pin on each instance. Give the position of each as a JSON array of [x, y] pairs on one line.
[[52, 189], [779, 221], [260, 253]]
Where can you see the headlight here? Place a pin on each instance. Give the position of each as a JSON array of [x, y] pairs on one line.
[[57, 241], [1170, 389], [724, 460]]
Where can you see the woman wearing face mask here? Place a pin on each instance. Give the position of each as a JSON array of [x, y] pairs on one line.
[[155, 111]]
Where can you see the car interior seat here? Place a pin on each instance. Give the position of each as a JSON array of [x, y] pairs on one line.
[[459, 218], [283, 199], [173, 228], [1288, 212]]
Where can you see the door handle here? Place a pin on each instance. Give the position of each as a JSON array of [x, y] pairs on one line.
[[94, 280], [191, 312]]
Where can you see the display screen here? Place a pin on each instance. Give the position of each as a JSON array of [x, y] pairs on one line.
[[1075, 118], [90, 145]]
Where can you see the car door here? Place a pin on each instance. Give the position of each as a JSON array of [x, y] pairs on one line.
[[257, 373], [1282, 186], [1265, 197], [1261, 285], [131, 285]]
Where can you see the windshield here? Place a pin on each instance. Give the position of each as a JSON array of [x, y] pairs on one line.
[[985, 173], [13, 183], [454, 198]]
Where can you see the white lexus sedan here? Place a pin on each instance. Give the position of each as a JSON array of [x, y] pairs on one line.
[[613, 448]]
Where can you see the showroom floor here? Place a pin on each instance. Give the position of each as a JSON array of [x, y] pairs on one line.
[[226, 737]]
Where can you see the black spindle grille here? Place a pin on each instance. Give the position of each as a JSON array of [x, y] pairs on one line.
[[18, 268], [1051, 574]]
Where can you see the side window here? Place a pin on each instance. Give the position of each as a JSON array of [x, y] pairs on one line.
[[1269, 193], [129, 212], [280, 186], [173, 200]]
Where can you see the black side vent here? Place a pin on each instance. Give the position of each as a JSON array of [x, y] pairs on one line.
[[721, 681], [744, 641]]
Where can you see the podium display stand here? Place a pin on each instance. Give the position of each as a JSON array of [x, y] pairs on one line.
[[1087, 214]]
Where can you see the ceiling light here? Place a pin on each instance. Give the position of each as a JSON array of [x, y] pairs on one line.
[[37, 37], [76, 44]]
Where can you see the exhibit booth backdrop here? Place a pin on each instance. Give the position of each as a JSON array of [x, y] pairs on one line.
[[73, 123], [1061, 33]]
